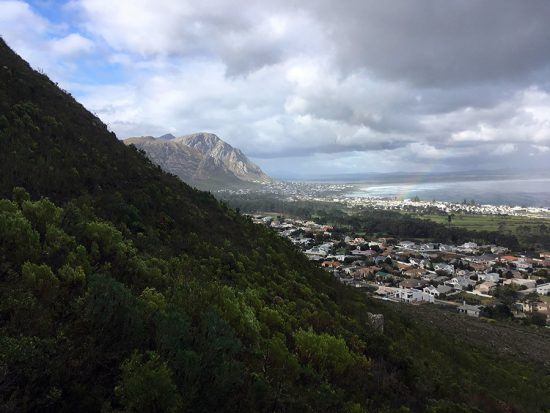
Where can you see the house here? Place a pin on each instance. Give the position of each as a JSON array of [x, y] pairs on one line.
[[479, 266], [447, 248], [349, 270], [491, 276], [538, 306], [444, 289], [429, 276], [410, 296], [403, 266], [460, 283], [471, 310], [316, 253], [340, 257], [430, 289], [523, 264], [407, 245], [446, 268], [437, 291], [326, 246], [415, 261], [508, 258], [521, 282], [331, 264], [486, 287], [302, 241], [380, 259], [415, 272], [543, 289], [440, 279], [468, 247], [427, 246]]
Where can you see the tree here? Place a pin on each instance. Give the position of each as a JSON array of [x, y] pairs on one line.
[[146, 385], [41, 280], [449, 219]]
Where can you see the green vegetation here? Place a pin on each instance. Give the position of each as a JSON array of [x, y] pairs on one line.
[[534, 232], [126, 290]]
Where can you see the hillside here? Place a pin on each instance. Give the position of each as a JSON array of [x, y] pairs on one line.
[[124, 289], [201, 159]]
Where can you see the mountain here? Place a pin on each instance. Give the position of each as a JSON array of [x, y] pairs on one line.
[[200, 158], [167, 137], [212, 146], [186, 162], [124, 289]]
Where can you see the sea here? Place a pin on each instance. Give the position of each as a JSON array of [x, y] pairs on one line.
[[520, 192]]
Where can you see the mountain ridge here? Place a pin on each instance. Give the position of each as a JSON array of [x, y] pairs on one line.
[[200, 158]]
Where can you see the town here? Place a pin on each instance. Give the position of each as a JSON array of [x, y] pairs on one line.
[[476, 280], [344, 195]]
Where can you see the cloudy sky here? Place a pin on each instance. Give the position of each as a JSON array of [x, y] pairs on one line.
[[309, 88]]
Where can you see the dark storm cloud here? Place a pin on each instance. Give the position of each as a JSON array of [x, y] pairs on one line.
[[444, 43]]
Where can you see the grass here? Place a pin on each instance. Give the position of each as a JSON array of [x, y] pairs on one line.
[[508, 224]]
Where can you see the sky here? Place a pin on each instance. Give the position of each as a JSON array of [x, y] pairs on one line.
[[309, 88]]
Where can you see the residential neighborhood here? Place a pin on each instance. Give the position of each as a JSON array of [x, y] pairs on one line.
[[476, 280]]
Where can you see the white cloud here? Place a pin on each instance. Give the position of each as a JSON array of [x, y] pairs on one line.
[[19, 24], [72, 44], [505, 149]]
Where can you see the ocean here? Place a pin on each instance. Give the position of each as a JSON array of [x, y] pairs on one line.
[[522, 192]]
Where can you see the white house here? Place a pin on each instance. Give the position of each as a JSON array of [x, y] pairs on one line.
[[430, 289], [447, 248], [471, 310], [543, 289], [491, 276], [446, 268], [459, 283], [411, 295], [407, 244]]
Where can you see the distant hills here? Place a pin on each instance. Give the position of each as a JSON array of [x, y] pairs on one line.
[[201, 159]]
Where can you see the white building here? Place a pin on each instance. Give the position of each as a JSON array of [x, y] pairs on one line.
[[491, 276], [412, 295], [543, 289], [471, 310]]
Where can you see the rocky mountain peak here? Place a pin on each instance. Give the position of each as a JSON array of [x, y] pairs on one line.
[[200, 157], [167, 137]]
